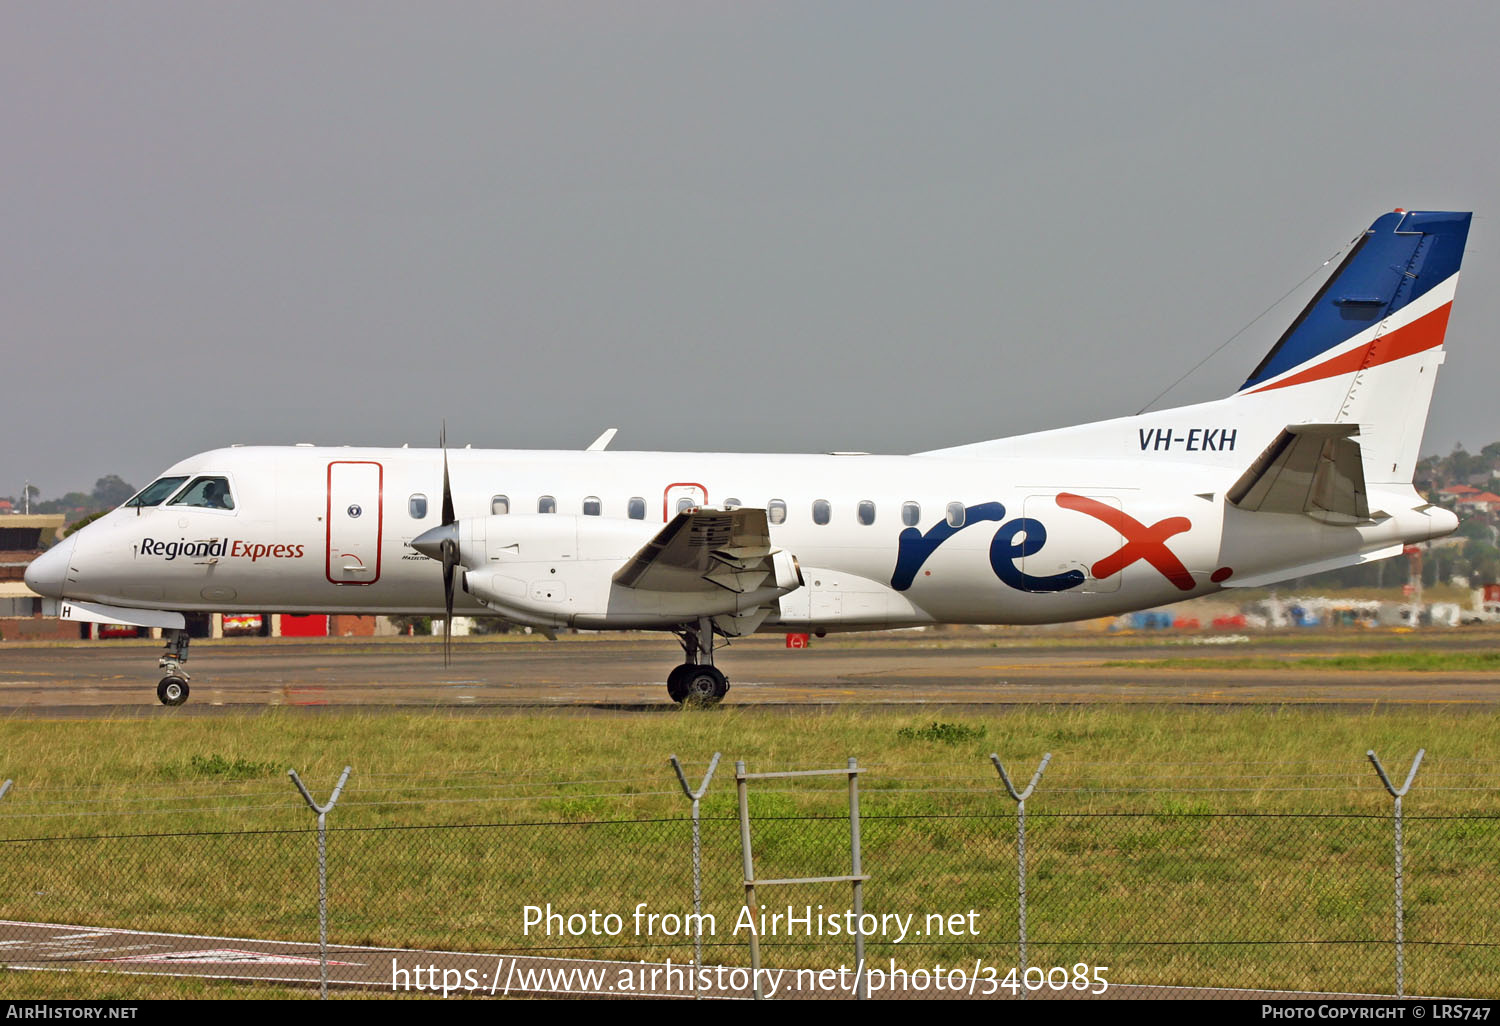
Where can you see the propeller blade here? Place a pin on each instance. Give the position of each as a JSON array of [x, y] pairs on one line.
[[448, 515], [450, 560], [441, 543]]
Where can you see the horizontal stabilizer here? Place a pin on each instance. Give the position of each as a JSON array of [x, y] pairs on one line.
[[1308, 569], [1316, 469]]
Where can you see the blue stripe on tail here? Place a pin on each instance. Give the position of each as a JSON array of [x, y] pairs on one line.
[[1403, 255]]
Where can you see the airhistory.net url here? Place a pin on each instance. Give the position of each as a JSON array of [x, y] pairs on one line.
[[513, 975]]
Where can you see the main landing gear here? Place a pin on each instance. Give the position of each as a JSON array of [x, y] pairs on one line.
[[173, 688], [697, 681]]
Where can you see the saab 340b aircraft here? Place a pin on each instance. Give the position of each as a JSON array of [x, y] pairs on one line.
[[1307, 467]]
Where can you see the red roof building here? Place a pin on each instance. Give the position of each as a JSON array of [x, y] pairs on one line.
[[1480, 502]]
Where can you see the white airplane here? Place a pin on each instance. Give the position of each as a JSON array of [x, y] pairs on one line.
[[1307, 467]]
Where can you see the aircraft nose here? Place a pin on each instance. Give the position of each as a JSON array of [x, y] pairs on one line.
[[46, 574]]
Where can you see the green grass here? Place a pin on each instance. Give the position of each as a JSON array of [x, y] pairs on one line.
[[943, 733], [1200, 846]]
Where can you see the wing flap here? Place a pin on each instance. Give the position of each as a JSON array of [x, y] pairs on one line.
[[704, 550]]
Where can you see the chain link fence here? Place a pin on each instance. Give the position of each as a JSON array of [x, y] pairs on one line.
[[1231, 882]]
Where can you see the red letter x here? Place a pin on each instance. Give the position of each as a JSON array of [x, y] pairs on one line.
[[1141, 542]]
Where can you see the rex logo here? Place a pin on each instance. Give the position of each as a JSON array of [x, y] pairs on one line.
[[1024, 536]]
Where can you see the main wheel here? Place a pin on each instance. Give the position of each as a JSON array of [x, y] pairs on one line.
[[705, 685], [172, 691], [677, 683]]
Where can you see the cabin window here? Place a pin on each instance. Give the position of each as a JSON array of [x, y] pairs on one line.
[[732, 503], [685, 503], [955, 514], [206, 493], [546, 504], [155, 493], [911, 513], [776, 511], [866, 512], [417, 506], [636, 508], [499, 505], [592, 507], [822, 511]]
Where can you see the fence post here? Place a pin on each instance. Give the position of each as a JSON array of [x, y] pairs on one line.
[[861, 978], [694, 796], [322, 811], [1398, 794], [748, 864], [1020, 800]]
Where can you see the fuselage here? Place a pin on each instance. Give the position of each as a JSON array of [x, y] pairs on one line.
[[882, 541], [1307, 467]]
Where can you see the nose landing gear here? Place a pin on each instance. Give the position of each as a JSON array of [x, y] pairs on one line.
[[173, 688], [697, 681]]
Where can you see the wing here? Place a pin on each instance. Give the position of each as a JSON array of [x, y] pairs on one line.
[[704, 550]]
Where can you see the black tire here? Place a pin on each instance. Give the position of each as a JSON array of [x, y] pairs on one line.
[[172, 691], [705, 686], [676, 682]]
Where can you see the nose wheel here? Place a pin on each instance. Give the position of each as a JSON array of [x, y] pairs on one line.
[[172, 690]]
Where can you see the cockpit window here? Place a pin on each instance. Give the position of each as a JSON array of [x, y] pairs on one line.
[[155, 493], [207, 492]]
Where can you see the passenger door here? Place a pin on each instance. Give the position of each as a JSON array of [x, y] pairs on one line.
[[355, 521]]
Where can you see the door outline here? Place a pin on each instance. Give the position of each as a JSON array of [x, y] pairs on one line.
[[379, 521], [1041, 507], [666, 497]]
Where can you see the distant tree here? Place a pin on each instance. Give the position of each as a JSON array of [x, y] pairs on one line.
[[412, 624], [68, 503], [1484, 561], [1473, 527], [110, 491], [1461, 464], [78, 525]]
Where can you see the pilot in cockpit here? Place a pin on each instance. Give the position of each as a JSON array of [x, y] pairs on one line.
[[215, 496]]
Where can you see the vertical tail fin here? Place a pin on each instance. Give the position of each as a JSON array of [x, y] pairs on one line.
[[1366, 349], [1364, 353]]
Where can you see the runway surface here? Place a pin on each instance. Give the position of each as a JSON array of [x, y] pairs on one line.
[[55, 947], [967, 669]]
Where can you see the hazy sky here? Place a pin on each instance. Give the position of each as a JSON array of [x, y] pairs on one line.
[[748, 226]]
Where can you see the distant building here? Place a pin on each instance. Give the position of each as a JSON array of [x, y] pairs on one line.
[[1479, 502], [21, 539]]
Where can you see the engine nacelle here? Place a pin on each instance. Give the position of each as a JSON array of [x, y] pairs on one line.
[[550, 570]]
